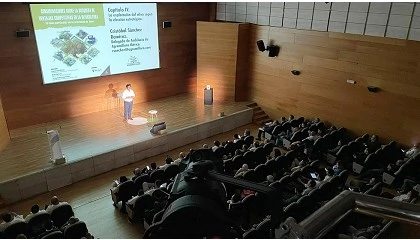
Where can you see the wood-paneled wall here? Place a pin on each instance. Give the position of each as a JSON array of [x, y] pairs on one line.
[[222, 53], [4, 130], [326, 61], [27, 101]]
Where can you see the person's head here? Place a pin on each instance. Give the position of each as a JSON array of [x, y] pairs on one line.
[[372, 181], [245, 166], [235, 198], [276, 122], [340, 143], [244, 147], [216, 143], [411, 194], [181, 155], [73, 219], [7, 217], [236, 136], [366, 151], [270, 178], [54, 200], [123, 179], [283, 119], [302, 125], [317, 120], [153, 165], [168, 160], [137, 171], [277, 152], [291, 117], [311, 183], [21, 236], [223, 143], [374, 229], [238, 152], [374, 138], [247, 132], [158, 183], [48, 225], [339, 164], [35, 208], [390, 167], [256, 144], [329, 171], [128, 86], [205, 146]]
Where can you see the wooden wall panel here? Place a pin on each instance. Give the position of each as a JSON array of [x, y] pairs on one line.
[[27, 101], [222, 53], [4, 130], [326, 61]]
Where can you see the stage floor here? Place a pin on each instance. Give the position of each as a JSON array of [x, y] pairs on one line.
[[102, 132]]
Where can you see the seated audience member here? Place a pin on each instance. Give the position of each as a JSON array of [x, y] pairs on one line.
[[338, 167], [72, 220], [407, 185], [413, 151], [310, 185], [330, 129], [282, 120], [34, 211], [10, 218], [334, 150], [236, 137], [329, 173], [269, 127], [378, 172], [148, 186], [300, 165], [291, 118], [216, 145], [133, 200], [244, 148], [49, 228], [315, 121], [360, 186], [254, 146], [148, 170], [353, 232], [54, 203], [235, 199], [408, 197], [276, 154], [168, 161], [179, 159], [360, 157], [247, 133], [313, 136], [373, 144], [137, 173], [241, 171], [269, 180]]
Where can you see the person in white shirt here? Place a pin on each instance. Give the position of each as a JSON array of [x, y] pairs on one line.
[[128, 96], [406, 197], [178, 160], [10, 218], [54, 204], [34, 211], [410, 153]]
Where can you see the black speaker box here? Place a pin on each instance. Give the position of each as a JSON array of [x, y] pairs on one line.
[[157, 127], [261, 46], [167, 24], [373, 89], [22, 33], [273, 51]]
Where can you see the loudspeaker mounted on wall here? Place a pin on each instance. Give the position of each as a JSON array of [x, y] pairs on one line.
[[21, 33], [295, 72], [167, 24], [273, 50], [373, 89]]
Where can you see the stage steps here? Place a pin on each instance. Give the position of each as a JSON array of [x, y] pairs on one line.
[[259, 117]]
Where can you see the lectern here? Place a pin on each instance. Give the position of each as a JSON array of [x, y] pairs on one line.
[[208, 96]]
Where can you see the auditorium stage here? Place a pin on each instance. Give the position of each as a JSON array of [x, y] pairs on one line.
[[99, 142]]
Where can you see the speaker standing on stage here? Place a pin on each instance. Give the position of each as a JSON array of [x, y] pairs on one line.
[[128, 96]]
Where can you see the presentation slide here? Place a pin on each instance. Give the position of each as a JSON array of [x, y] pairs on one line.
[[79, 41]]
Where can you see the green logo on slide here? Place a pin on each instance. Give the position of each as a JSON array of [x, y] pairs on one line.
[[67, 15]]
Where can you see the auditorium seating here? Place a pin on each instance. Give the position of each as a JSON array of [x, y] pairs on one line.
[[61, 214]]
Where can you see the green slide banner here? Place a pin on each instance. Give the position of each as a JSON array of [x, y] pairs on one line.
[[67, 15]]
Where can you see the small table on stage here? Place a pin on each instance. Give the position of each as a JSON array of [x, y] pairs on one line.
[[208, 96]]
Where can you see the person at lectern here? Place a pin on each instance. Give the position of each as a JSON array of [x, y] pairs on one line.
[[128, 96]]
